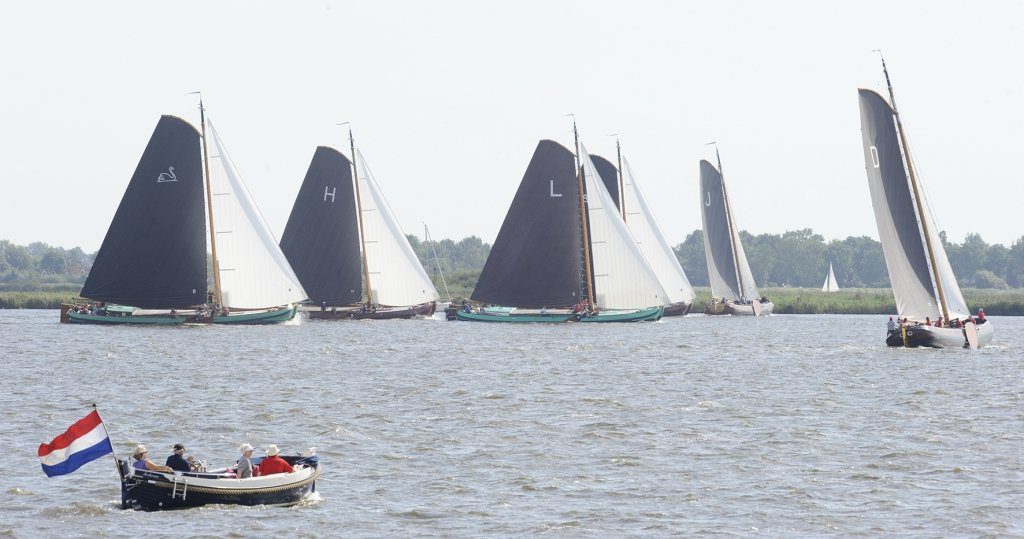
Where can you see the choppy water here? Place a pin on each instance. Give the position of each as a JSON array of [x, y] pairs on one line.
[[791, 425]]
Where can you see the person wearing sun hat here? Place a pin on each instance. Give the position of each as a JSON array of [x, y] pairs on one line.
[[273, 463], [245, 466], [142, 462]]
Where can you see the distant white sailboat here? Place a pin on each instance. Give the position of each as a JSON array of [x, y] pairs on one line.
[[830, 280]]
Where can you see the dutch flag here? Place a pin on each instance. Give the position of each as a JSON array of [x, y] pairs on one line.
[[85, 441]]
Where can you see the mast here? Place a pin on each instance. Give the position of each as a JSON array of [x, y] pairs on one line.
[[437, 263], [622, 185], [917, 195], [359, 212], [728, 220], [583, 217], [209, 205]]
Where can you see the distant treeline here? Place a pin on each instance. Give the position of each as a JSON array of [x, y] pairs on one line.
[[800, 258], [41, 267], [39, 273]]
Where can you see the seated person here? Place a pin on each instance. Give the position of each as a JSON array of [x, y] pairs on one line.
[[245, 466], [273, 463], [142, 462], [177, 460]]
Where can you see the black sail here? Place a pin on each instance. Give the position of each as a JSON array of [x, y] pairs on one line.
[[609, 175], [717, 240], [154, 253], [905, 252], [321, 239], [535, 261]]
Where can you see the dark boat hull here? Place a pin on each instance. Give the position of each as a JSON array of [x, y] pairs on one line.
[[270, 316], [921, 336], [509, 315], [424, 309], [151, 491], [738, 309], [678, 309]]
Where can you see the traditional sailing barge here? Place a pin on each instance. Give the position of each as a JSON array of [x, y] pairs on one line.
[[927, 294], [563, 252], [733, 289], [338, 220], [152, 266]]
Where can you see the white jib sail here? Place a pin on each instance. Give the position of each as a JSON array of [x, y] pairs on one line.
[[622, 277], [830, 281], [950, 288], [254, 273], [397, 277], [656, 250], [742, 266]]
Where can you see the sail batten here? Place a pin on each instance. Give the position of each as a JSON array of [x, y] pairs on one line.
[[154, 253], [262, 277]]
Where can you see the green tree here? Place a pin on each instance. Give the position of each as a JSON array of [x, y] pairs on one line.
[[54, 261]]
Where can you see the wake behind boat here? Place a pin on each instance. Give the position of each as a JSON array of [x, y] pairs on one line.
[[928, 297], [340, 218], [151, 268], [733, 289]]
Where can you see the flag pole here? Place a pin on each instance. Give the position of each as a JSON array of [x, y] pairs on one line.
[[109, 441]]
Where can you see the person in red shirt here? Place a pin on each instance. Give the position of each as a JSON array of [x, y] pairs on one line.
[[273, 463]]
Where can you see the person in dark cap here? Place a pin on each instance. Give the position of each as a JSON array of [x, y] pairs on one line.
[[177, 460]]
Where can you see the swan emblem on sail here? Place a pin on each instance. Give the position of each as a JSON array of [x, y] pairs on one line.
[[167, 176]]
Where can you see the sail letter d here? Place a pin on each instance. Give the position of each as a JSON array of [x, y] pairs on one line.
[[329, 193]]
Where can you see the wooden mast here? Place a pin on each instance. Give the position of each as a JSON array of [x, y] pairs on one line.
[[729, 224], [917, 196], [209, 206], [583, 218], [359, 212], [622, 184]]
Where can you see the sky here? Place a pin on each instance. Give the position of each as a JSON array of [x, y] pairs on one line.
[[448, 100]]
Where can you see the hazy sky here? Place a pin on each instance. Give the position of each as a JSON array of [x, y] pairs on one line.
[[449, 99]]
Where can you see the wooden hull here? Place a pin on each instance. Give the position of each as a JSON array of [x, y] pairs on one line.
[[738, 309], [133, 320], [511, 316], [388, 313], [678, 309], [154, 491], [272, 316], [932, 337]]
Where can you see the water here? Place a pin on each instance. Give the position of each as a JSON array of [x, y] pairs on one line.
[[790, 425]]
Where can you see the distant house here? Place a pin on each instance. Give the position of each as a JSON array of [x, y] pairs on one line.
[[79, 269]]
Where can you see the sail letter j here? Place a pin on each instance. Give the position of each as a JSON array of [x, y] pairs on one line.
[[329, 193], [708, 201], [553, 193]]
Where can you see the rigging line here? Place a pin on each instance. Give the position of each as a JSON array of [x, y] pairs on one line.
[[426, 232]]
